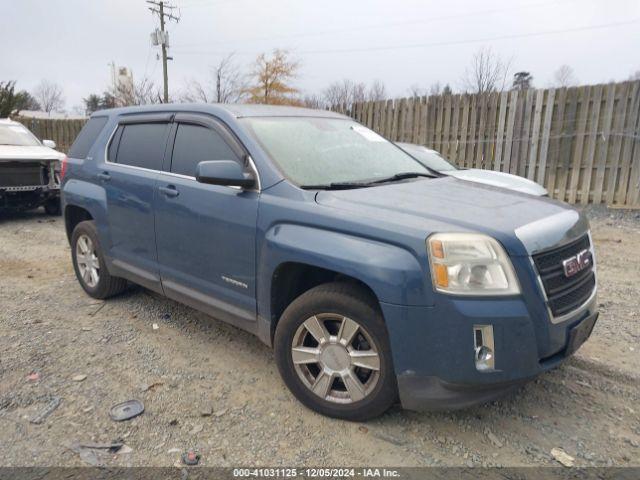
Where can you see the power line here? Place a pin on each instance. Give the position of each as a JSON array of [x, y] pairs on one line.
[[439, 43], [393, 24], [165, 13]]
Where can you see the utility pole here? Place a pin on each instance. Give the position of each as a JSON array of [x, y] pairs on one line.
[[161, 37]]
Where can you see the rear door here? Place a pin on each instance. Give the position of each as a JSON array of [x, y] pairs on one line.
[[134, 159], [206, 233]]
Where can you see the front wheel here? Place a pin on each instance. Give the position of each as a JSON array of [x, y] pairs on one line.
[[52, 206], [333, 352]]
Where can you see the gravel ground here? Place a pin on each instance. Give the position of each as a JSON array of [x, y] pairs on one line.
[[213, 388]]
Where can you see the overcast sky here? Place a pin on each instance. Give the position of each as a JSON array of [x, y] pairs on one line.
[[400, 42]]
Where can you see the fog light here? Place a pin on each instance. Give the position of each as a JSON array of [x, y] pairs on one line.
[[484, 347]]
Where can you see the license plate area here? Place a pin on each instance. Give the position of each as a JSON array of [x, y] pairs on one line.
[[580, 333]]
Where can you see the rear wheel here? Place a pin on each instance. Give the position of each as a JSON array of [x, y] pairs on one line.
[[332, 351], [89, 263]]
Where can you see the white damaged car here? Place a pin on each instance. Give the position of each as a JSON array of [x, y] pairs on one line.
[[29, 170], [433, 160]]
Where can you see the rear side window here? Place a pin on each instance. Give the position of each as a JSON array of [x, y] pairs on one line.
[[195, 144], [142, 145], [87, 137]]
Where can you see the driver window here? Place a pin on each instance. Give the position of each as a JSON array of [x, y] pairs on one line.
[[195, 144]]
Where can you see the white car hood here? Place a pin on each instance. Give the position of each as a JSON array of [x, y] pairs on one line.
[[499, 179], [37, 152]]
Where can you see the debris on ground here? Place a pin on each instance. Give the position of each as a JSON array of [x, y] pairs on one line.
[[562, 457], [79, 378], [206, 411], [98, 309], [151, 386], [48, 410], [124, 450], [196, 429], [155, 326], [94, 453], [493, 439], [190, 457], [33, 376], [126, 410]]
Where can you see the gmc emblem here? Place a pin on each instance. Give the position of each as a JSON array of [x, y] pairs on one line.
[[577, 263]]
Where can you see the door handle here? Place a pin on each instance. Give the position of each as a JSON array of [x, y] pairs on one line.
[[169, 191], [104, 176]]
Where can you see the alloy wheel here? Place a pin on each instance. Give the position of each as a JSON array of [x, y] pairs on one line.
[[336, 358], [87, 260]]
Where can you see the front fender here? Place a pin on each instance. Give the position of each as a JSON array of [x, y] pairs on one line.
[[393, 273]]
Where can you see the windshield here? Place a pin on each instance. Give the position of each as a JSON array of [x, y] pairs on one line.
[[17, 135], [427, 157], [320, 151]]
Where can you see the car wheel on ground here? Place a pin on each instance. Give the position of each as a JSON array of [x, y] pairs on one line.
[[89, 263], [333, 353], [52, 206]]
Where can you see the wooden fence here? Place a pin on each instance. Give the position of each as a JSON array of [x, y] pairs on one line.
[[581, 143], [63, 132]]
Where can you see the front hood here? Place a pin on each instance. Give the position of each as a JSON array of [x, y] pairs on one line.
[[447, 204], [38, 152], [499, 179]]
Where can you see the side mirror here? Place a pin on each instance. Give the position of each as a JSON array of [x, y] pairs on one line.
[[49, 143], [224, 172]]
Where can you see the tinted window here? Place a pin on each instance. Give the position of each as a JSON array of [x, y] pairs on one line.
[[113, 146], [196, 144], [87, 136], [142, 145]]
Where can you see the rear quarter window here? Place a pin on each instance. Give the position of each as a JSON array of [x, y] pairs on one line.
[[87, 137]]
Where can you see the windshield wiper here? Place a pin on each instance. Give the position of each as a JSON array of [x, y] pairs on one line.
[[403, 176], [337, 186], [368, 183]]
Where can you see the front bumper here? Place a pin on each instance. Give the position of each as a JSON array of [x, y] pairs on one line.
[[28, 197], [434, 357]]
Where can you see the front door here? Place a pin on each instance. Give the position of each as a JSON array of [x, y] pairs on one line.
[[206, 234]]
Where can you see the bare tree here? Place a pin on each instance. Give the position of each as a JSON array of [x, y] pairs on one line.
[[635, 75], [315, 101], [376, 91], [49, 96], [344, 92], [227, 85], [435, 89], [143, 92], [564, 77], [487, 72], [416, 90]]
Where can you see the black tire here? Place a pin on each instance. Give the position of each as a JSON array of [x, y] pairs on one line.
[[52, 207], [354, 302], [107, 285]]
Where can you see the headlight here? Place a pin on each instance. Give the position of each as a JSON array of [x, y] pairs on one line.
[[470, 264]]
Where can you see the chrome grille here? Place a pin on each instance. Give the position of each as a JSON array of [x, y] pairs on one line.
[[565, 294]]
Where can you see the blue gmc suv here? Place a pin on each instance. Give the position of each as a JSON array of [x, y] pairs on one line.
[[373, 277]]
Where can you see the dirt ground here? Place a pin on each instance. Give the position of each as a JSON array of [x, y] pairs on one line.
[[211, 387]]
